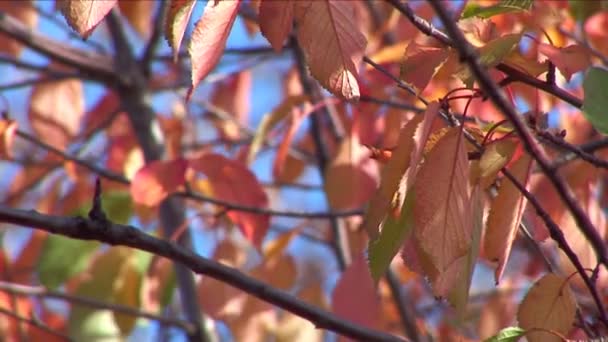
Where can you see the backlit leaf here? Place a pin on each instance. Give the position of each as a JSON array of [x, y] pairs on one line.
[[420, 64], [84, 15], [178, 15], [505, 215], [56, 111], [504, 6], [568, 60], [209, 38], [231, 181], [550, 305], [156, 180], [276, 21], [333, 44], [510, 334], [442, 209], [7, 135], [490, 55], [596, 101], [231, 97], [494, 157], [139, 14]]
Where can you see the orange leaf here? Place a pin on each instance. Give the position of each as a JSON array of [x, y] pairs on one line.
[[56, 111], [411, 141], [350, 180], [505, 215], [231, 181], [139, 14], [333, 44], [494, 157], [84, 15], [568, 60], [549, 305], [209, 38], [178, 15], [156, 180], [441, 208], [25, 12], [420, 63], [276, 20], [7, 134], [354, 297]]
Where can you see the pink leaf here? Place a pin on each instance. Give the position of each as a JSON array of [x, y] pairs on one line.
[[84, 15], [354, 297], [568, 60], [156, 180], [276, 20], [209, 38]]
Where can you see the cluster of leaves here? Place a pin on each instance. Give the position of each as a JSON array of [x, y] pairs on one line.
[[431, 183]]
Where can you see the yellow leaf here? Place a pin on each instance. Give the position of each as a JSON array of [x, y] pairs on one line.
[[178, 15]]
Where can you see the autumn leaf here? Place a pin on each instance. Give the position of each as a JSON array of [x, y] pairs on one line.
[[420, 63], [157, 180], [231, 97], [442, 210], [231, 181], [7, 136], [139, 14], [356, 282], [505, 215], [276, 21], [84, 15], [549, 305], [350, 179], [495, 156], [568, 60], [332, 43], [504, 6], [178, 16], [596, 101], [209, 38], [56, 111]]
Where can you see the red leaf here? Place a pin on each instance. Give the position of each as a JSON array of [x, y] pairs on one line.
[[209, 38], [276, 20], [156, 180], [232, 96], [178, 15], [568, 60], [231, 181], [84, 15], [354, 297]]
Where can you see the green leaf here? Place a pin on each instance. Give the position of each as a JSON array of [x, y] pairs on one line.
[[473, 9], [394, 232], [595, 103], [491, 55], [62, 257], [509, 334], [118, 206]]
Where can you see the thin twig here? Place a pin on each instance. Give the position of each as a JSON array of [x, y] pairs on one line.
[[35, 323], [117, 234], [42, 292]]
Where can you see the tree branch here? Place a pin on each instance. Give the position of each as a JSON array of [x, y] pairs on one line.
[[468, 55], [122, 235]]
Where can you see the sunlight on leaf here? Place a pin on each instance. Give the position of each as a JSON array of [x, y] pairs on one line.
[[550, 305], [157, 180], [84, 15], [509, 334], [473, 9], [178, 15]]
